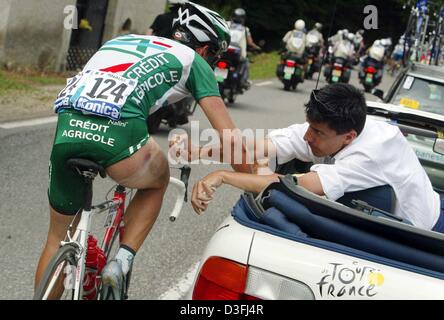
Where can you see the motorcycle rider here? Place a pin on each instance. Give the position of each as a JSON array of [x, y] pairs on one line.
[[375, 58], [241, 37], [342, 51], [295, 43], [295, 40], [336, 38], [314, 44], [387, 44], [344, 48], [316, 33]]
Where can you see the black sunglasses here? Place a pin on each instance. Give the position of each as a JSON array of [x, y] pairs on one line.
[[313, 97]]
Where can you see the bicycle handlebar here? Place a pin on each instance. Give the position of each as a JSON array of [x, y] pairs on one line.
[[182, 191]]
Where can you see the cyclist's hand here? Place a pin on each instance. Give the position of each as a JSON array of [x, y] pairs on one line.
[[204, 189]]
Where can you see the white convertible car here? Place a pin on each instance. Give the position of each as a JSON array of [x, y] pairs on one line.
[[327, 250]]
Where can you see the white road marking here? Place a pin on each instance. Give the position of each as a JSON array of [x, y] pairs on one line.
[[28, 123], [181, 288], [261, 84]]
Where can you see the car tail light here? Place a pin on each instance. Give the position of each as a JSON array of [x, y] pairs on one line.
[[221, 279], [271, 286], [290, 63], [222, 65], [371, 70]]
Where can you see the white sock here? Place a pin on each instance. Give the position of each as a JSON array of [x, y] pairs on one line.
[[126, 257]]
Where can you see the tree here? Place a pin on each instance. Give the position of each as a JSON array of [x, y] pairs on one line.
[[270, 20]]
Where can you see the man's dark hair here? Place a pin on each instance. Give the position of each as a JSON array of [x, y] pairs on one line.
[[341, 106]]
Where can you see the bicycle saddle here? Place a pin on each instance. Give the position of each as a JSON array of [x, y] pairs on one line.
[[85, 165]]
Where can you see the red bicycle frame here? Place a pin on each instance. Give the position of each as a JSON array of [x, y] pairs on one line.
[[117, 223]]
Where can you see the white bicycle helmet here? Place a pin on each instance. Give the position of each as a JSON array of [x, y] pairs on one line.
[[299, 24], [197, 26], [174, 2]]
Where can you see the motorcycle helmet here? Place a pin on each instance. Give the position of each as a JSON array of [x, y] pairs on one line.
[[196, 26], [376, 52], [299, 25], [239, 16], [318, 26]]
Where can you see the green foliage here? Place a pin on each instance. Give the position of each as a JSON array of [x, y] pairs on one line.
[[270, 20], [7, 83], [263, 66], [14, 81]]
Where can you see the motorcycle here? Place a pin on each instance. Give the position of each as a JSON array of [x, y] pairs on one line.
[[338, 71], [172, 115], [370, 75], [313, 64], [229, 74], [312, 53], [290, 70]]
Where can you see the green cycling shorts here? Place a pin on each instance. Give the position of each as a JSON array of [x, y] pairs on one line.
[[95, 138]]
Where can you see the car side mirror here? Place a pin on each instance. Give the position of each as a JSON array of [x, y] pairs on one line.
[[378, 93], [438, 147]]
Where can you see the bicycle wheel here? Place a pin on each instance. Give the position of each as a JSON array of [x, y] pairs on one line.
[[60, 287]]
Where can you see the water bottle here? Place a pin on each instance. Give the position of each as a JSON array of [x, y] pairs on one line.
[[95, 261]]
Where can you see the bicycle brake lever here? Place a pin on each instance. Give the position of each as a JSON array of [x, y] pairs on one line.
[[185, 172]]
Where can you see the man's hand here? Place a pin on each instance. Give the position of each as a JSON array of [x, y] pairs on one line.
[[204, 189]]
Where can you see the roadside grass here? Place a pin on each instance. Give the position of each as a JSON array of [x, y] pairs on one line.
[[26, 81], [263, 65]]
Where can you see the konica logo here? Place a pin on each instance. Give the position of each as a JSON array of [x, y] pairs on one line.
[[99, 108]]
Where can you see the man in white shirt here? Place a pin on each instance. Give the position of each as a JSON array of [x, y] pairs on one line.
[[350, 152]]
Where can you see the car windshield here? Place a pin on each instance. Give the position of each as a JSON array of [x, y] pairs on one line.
[[420, 94]]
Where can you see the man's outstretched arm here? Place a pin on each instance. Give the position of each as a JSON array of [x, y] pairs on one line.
[[203, 190]]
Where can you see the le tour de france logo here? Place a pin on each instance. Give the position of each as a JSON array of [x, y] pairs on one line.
[[350, 280]]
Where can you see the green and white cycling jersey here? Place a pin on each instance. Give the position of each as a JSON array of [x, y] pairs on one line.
[[132, 76]]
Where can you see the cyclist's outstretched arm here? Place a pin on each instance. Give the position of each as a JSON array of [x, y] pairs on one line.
[[216, 112]]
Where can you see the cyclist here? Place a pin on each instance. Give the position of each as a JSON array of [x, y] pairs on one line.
[[102, 116]]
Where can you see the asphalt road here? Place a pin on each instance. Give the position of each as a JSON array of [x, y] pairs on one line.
[[172, 249]]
